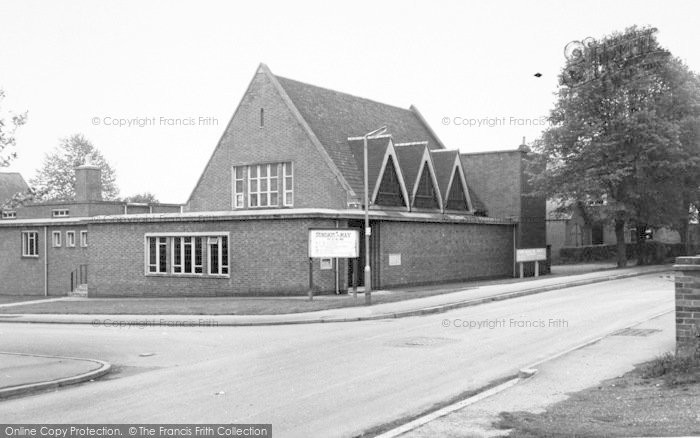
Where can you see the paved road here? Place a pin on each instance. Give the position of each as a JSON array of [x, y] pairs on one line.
[[321, 379]]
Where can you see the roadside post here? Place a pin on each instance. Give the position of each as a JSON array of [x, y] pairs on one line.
[[530, 255], [329, 243]]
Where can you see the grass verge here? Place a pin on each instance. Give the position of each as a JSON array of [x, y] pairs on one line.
[[657, 398]]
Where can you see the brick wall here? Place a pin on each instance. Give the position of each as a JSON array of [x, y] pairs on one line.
[[25, 275], [280, 139], [267, 256], [687, 305], [441, 252], [496, 177]]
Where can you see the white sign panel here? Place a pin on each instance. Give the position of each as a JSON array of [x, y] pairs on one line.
[[394, 259], [530, 254], [334, 242]]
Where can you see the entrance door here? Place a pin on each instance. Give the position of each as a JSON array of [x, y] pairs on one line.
[[374, 254]]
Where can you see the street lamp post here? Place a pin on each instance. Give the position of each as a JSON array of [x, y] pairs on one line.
[[368, 230]]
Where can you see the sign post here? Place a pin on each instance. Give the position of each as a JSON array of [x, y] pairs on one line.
[[530, 255], [335, 243]]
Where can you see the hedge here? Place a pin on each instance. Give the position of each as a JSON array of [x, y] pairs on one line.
[[652, 252]]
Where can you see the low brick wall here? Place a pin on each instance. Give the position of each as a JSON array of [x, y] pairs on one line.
[[687, 305]]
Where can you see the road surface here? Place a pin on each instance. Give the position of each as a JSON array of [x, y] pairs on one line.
[[321, 379]]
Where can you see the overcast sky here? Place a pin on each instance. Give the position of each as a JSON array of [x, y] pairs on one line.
[[71, 63]]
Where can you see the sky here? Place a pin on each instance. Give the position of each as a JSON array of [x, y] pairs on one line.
[[82, 66]]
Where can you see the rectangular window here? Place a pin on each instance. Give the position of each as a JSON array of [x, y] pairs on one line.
[[218, 255], [30, 244], [263, 183], [64, 212], [238, 193], [288, 184], [9, 214], [70, 239], [187, 255], [157, 255], [83, 239], [188, 252], [56, 239]]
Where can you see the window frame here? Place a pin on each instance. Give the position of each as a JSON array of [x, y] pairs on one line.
[[9, 214], [235, 178], [69, 235], [56, 239], [287, 190], [258, 179], [25, 243], [60, 213], [83, 238], [221, 252], [170, 264]]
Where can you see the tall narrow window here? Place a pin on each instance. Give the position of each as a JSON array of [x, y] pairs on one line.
[[262, 117], [218, 255], [83, 238], [56, 238], [70, 239], [238, 187], [157, 255], [30, 244], [288, 184]]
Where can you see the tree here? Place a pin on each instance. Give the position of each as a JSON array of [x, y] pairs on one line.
[[8, 127], [55, 180], [624, 134], [143, 198]]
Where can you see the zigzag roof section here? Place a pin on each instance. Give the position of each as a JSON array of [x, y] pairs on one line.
[[334, 117], [447, 163], [410, 157], [413, 158], [390, 155], [376, 152]]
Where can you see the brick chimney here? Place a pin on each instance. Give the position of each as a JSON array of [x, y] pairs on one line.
[[88, 183]]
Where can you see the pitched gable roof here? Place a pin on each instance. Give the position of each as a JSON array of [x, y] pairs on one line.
[[11, 183], [334, 117]]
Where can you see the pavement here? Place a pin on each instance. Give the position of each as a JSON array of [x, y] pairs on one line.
[[24, 373], [603, 359], [469, 296]]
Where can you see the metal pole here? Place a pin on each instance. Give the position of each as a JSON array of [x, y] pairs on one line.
[[368, 270]]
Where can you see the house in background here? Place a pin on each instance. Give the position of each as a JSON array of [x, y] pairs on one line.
[[11, 183], [574, 227]]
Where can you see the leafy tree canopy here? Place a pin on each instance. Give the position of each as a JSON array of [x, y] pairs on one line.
[[624, 133], [145, 198], [55, 180], [8, 124]]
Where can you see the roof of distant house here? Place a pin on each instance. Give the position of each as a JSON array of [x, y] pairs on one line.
[[11, 183]]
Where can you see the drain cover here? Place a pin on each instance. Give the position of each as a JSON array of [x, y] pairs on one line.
[[635, 332], [421, 342]]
